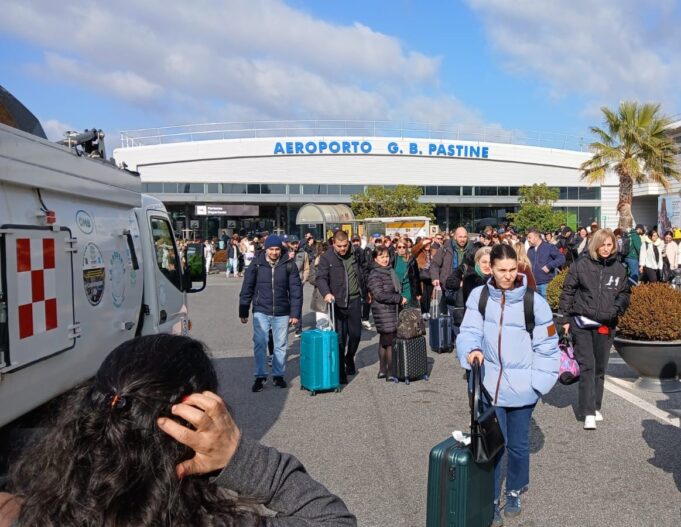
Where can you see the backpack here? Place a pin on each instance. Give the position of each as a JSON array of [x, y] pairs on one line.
[[626, 246], [411, 324], [528, 305]]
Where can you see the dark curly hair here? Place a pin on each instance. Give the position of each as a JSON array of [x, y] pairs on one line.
[[105, 462]]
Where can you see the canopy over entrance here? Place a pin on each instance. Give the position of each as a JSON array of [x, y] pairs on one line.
[[324, 214]]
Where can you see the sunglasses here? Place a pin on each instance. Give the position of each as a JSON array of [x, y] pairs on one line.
[[401, 246]]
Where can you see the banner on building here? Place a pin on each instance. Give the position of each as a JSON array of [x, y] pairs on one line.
[[668, 212], [227, 210]]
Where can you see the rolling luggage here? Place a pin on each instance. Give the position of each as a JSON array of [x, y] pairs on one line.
[[460, 491], [319, 359], [440, 334], [410, 360]]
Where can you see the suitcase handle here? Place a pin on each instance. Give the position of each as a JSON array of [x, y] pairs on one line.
[[330, 311]]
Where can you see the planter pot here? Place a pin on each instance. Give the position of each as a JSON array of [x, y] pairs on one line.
[[657, 363]]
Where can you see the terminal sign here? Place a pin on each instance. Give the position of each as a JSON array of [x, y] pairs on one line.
[[292, 148]]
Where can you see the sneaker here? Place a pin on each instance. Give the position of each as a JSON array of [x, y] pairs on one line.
[[512, 507], [297, 334], [590, 422], [497, 521], [279, 382], [599, 416], [366, 324], [259, 384]]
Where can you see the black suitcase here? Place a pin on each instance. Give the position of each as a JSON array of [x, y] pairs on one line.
[[410, 360]]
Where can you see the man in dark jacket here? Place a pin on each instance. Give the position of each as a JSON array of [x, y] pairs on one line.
[[545, 259], [272, 284], [452, 254], [340, 280]]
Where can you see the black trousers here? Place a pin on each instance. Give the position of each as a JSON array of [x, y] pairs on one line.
[[651, 275], [366, 310], [426, 293], [349, 329], [592, 350]]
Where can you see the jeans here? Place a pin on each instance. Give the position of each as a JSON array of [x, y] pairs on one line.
[[349, 329], [541, 289], [234, 262], [261, 327], [632, 264], [515, 425], [592, 351]]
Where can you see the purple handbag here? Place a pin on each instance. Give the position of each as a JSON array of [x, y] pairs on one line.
[[569, 368]]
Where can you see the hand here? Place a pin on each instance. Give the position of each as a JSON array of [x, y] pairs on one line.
[[566, 328], [244, 320], [293, 321], [329, 298], [473, 355], [215, 439], [368, 298], [545, 269], [403, 301], [640, 269], [418, 297]]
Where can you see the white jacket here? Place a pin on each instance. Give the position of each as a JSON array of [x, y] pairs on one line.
[[647, 256], [672, 252]]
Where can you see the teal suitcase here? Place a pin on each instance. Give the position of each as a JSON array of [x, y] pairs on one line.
[[460, 491], [319, 357]]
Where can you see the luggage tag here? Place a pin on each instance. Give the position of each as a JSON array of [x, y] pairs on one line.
[[459, 436]]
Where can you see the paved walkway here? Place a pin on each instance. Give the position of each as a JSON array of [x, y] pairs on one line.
[[370, 443]]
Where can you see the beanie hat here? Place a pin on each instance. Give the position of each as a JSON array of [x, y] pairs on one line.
[[273, 241]]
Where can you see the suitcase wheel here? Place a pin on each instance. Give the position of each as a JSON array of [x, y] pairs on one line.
[[425, 378], [406, 381], [301, 387], [337, 390], [395, 380], [313, 393]]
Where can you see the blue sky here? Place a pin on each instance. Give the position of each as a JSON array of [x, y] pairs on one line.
[[499, 64]]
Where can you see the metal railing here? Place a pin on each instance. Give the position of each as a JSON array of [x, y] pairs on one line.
[[348, 128]]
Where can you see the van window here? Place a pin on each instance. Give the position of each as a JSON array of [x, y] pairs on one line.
[[167, 258]]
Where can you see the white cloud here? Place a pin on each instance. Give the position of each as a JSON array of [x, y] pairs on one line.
[[242, 59], [608, 50], [54, 129]]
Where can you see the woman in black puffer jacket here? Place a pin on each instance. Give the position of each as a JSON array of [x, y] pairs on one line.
[[386, 294], [595, 294]]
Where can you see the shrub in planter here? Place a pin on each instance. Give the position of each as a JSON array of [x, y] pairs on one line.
[[554, 289], [654, 314], [220, 256]]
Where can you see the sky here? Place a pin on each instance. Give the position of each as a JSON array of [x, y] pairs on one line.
[[511, 65]]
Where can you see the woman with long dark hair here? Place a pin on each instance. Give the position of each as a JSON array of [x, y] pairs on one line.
[[120, 454], [519, 363]]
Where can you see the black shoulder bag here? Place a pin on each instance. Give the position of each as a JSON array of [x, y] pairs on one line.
[[487, 440]]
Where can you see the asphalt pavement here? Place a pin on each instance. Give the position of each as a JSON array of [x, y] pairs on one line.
[[369, 444]]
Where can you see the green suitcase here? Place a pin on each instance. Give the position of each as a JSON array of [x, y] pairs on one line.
[[460, 491]]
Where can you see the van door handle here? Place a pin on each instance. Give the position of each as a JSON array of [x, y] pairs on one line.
[[163, 316]]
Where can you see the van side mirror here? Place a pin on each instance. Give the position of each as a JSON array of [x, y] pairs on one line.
[[194, 276]]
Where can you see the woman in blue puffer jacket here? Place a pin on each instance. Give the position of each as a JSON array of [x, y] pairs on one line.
[[517, 367]]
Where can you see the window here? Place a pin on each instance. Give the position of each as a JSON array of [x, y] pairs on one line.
[[466, 191], [314, 189], [253, 188], [589, 192], [233, 188], [190, 188], [294, 189], [273, 189], [212, 188], [573, 193], [349, 190], [449, 191], [167, 259], [170, 188], [430, 191], [562, 193], [503, 191], [153, 187], [485, 191], [514, 191], [333, 190]]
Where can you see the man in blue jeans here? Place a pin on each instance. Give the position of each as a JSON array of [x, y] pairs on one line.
[[272, 284], [545, 258]]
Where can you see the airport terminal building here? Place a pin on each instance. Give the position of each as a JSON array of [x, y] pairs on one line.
[[253, 178]]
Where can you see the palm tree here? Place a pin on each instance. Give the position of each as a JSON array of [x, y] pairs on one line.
[[637, 147]]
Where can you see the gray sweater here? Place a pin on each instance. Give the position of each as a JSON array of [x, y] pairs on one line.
[[279, 481]]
